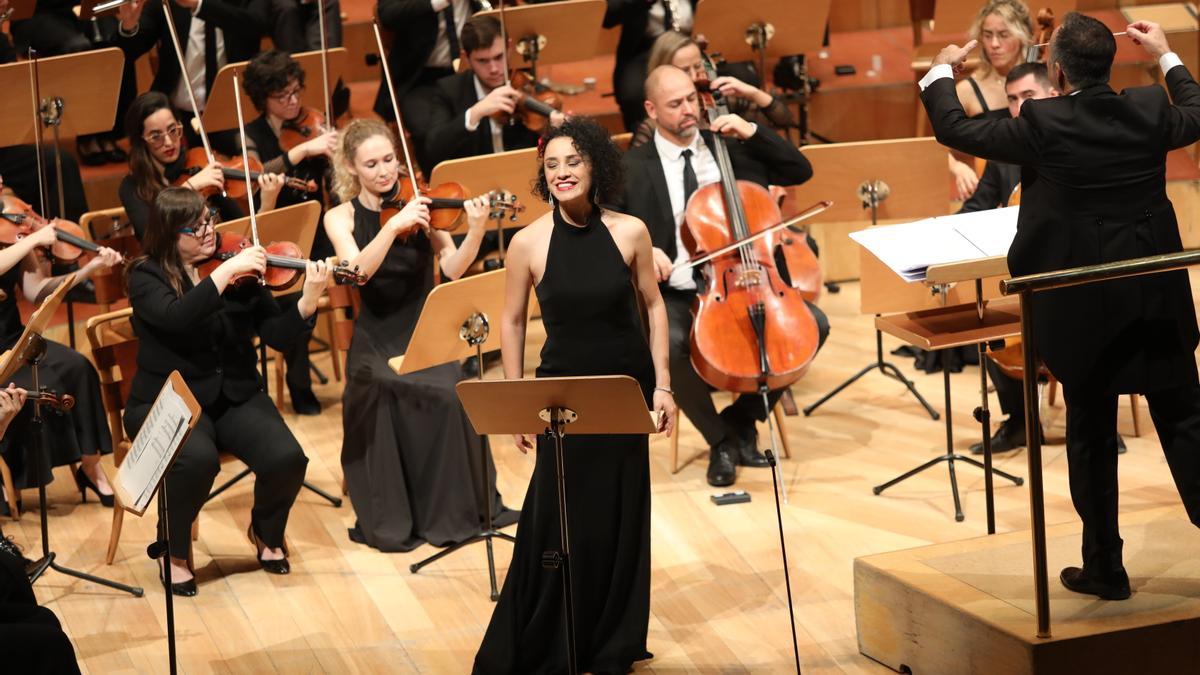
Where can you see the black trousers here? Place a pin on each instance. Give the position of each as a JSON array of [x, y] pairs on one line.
[[252, 431], [1092, 460], [1010, 391], [298, 29], [629, 88], [18, 166], [692, 394], [31, 639]]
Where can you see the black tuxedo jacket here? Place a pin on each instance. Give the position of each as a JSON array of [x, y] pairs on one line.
[[995, 187], [414, 27], [242, 22], [208, 337], [447, 136], [765, 158], [632, 16], [1093, 185]]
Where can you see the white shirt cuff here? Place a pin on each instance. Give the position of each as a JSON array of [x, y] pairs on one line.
[[1168, 61], [439, 5], [467, 121], [936, 73]]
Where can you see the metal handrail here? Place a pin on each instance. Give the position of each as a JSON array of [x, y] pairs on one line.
[[1025, 287]]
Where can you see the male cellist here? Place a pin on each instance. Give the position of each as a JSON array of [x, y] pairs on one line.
[[1094, 191], [659, 177]]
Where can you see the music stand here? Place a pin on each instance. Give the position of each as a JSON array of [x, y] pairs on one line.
[[169, 423], [900, 179], [558, 32], [460, 308], [298, 224], [487, 173], [220, 112], [592, 405], [29, 350]]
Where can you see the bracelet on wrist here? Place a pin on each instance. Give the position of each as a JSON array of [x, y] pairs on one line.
[[665, 389]]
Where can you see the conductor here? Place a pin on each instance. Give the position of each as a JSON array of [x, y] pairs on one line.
[[1093, 173]]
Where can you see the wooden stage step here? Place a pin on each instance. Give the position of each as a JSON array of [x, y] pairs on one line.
[[968, 606]]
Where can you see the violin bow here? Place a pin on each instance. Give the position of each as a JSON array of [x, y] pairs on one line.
[[237, 97], [187, 83], [324, 62], [36, 90], [387, 77]]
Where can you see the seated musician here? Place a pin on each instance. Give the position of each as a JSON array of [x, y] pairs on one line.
[[641, 22], [204, 326], [466, 110], [409, 453], [274, 82], [77, 435], [744, 100], [157, 159], [680, 161]]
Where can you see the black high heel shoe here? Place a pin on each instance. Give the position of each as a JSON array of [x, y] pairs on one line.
[[84, 484], [269, 566], [184, 589]]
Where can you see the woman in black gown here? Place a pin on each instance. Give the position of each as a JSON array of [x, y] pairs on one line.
[[585, 263], [409, 454]]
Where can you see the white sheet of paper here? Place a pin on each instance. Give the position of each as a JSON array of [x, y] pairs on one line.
[[908, 249], [154, 446]]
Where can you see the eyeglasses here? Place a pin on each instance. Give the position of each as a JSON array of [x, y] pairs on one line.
[[285, 96], [157, 138], [206, 225]]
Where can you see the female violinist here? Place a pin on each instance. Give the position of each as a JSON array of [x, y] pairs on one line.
[[408, 450], [157, 159], [587, 265], [205, 328], [745, 100], [81, 434]]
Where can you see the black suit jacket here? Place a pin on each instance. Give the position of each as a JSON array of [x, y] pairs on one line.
[[242, 22], [208, 337], [1093, 185], [632, 16], [995, 187], [414, 27], [765, 158], [447, 136]]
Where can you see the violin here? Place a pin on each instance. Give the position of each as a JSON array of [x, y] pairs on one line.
[[306, 126], [538, 104], [56, 402], [18, 220], [446, 204], [751, 329], [1045, 24], [285, 264], [233, 169]]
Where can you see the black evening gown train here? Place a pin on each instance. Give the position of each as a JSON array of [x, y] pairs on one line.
[[409, 454], [592, 328]]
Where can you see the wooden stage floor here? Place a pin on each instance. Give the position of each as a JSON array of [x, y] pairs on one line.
[[717, 604]]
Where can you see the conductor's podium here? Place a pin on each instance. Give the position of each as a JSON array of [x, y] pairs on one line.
[[968, 606]]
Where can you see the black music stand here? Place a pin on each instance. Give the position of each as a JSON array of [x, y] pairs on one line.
[[596, 405]]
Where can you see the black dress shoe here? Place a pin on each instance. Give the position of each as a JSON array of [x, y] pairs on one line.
[[184, 589], [1010, 436], [748, 455], [84, 484], [305, 402], [722, 465], [92, 155], [1121, 449], [269, 566], [113, 152], [7, 545], [1116, 587]]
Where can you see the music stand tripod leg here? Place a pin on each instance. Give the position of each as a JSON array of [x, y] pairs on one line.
[[561, 559], [887, 368], [37, 445], [161, 550]]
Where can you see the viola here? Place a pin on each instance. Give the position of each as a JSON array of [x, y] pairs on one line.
[[539, 103], [46, 397], [234, 171], [309, 124], [285, 264], [18, 220], [446, 204], [751, 329]]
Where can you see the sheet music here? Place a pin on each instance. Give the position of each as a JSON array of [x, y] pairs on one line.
[[155, 445], [909, 249]]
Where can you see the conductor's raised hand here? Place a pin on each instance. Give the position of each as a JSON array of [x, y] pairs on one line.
[[955, 56], [524, 442], [1150, 36]]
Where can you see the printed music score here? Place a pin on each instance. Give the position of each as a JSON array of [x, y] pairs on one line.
[[909, 249], [162, 433]]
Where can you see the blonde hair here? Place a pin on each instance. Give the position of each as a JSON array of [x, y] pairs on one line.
[[1015, 15], [664, 48], [345, 183]]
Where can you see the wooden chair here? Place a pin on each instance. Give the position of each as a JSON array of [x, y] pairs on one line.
[[111, 228], [785, 446], [344, 303]]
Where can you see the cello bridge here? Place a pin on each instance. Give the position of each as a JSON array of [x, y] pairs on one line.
[[749, 277]]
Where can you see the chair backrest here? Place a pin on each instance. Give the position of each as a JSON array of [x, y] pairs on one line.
[[111, 228], [344, 303], [114, 350]]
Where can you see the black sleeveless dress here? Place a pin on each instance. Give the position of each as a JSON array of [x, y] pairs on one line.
[[409, 454], [592, 328]]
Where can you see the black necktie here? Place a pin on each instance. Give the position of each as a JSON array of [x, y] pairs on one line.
[[690, 184], [451, 30], [668, 20]]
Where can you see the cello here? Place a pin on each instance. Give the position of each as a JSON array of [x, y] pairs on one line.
[[752, 332]]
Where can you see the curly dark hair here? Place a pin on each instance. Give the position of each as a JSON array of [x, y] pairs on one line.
[[598, 150], [269, 73]]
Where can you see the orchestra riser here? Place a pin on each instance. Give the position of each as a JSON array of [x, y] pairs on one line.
[[968, 607]]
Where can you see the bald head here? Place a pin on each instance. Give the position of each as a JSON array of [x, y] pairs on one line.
[[671, 101]]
